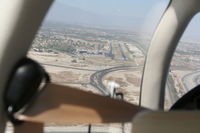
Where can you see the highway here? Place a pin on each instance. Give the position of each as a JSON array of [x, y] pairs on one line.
[[195, 79], [170, 95], [186, 85], [96, 78], [67, 67]]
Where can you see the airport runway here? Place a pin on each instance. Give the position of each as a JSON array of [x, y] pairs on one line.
[[122, 52]]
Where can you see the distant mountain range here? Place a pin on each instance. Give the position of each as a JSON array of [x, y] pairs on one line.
[[65, 14]]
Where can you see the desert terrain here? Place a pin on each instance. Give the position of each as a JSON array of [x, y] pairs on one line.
[[92, 58]]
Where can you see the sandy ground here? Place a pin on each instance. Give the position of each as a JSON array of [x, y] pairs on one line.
[[129, 81], [178, 75], [81, 80]]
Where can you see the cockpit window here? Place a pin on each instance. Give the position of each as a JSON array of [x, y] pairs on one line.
[[98, 46], [185, 66]]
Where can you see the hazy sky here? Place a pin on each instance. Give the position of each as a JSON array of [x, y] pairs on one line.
[[135, 15], [136, 8]]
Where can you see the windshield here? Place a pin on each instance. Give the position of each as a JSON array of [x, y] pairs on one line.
[[184, 71], [98, 46]]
